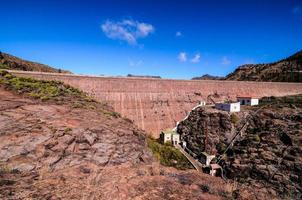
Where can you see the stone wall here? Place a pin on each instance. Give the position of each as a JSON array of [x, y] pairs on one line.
[[157, 104]]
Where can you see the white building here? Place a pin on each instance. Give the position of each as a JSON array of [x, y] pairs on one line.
[[206, 158], [170, 136], [215, 170], [202, 103], [230, 107], [248, 100]]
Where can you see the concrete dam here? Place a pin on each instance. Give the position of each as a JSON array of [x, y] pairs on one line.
[[157, 104]]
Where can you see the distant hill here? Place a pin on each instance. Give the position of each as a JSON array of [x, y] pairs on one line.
[[143, 76], [286, 70], [14, 63], [208, 77]]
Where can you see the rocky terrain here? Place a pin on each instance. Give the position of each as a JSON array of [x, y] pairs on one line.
[[57, 143], [13, 63], [287, 70], [267, 157]]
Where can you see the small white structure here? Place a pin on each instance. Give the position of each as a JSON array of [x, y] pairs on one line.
[[248, 100], [206, 158], [230, 107], [202, 103], [215, 170], [170, 136]]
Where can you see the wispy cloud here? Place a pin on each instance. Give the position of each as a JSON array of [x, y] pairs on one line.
[[133, 63], [178, 34], [127, 30], [182, 57], [225, 60], [297, 10], [196, 58]]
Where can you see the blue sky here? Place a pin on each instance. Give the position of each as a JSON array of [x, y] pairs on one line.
[[172, 39]]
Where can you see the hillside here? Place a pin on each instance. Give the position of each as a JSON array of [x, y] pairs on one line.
[[57, 143], [208, 77], [287, 70], [267, 158], [14, 63]]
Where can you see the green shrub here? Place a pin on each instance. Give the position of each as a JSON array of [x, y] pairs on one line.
[[3, 66], [111, 113], [67, 130], [39, 89], [257, 138], [234, 118], [168, 155], [221, 147]]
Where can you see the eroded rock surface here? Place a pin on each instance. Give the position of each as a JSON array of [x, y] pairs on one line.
[[266, 158], [50, 151]]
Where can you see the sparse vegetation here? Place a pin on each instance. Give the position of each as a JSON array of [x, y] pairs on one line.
[[221, 147], [3, 66], [38, 89], [234, 118], [292, 100], [257, 138], [53, 91], [4, 169], [67, 130], [111, 113], [168, 155]]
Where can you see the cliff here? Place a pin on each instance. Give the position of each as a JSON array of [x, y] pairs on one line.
[[267, 157], [286, 70]]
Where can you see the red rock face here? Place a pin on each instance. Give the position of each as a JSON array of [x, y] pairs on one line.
[[157, 104]]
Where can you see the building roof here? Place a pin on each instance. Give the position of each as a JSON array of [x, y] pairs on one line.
[[215, 166], [227, 102], [169, 132], [247, 97]]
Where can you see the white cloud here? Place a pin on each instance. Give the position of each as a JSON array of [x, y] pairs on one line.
[[178, 34], [225, 60], [127, 30], [196, 58], [182, 57], [135, 63], [297, 10]]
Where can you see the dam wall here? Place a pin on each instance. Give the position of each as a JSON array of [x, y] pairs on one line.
[[157, 104]]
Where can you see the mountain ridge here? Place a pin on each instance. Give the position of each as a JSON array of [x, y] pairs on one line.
[[8, 61], [285, 70]]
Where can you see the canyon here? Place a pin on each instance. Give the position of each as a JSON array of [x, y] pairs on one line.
[[158, 104]]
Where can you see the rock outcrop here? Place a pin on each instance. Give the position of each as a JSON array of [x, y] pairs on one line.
[[287, 70], [267, 157]]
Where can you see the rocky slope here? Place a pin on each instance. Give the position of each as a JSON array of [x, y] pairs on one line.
[[287, 70], [268, 156], [13, 63], [56, 143]]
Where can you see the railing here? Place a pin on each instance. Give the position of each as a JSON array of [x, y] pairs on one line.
[[196, 164]]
